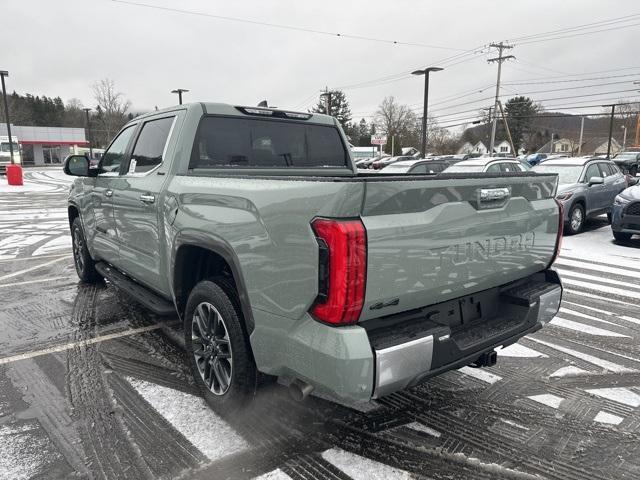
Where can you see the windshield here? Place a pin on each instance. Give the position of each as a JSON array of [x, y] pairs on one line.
[[4, 147], [566, 173], [464, 168], [624, 156]]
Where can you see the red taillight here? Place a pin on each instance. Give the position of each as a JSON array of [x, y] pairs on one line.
[[560, 233], [343, 270]]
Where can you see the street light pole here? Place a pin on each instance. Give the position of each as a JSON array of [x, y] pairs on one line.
[[179, 91], [624, 137], [426, 73], [4, 73], [86, 111]]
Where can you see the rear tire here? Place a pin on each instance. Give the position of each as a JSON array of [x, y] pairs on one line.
[[576, 219], [218, 348], [85, 265], [621, 236]]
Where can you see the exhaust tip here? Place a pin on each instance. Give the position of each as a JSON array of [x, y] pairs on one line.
[[300, 390]]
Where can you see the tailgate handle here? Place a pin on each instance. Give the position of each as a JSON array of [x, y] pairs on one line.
[[493, 197]]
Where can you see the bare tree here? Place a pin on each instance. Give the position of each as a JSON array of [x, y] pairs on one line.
[[399, 121], [112, 107]]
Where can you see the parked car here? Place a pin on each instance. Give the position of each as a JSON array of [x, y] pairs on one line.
[[363, 163], [628, 162], [252, 225], [536, 158], [587, 187], [625, 219], [419, 166], [383, 162], [369, 161], [487, 164]]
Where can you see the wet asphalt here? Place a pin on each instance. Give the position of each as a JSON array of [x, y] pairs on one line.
[[94, 386]]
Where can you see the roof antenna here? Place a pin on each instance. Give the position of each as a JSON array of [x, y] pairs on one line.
[[263, 103]]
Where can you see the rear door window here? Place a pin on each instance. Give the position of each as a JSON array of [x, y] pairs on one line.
[[245, 142], [495, 168], [149, 148], [509, 167]]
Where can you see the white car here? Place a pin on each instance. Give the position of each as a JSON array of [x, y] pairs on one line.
[[488, 164], [5, 152]]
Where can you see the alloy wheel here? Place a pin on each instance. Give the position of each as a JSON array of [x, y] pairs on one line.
[[576, 219], [212, 348], [78, 245]]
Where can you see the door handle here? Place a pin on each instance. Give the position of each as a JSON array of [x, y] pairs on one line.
[[108, 193], [147, 198]]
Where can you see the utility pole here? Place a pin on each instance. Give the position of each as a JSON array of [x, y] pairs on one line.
[[624, 137], [489, 127], [551, 144], [86, 112], [613, 110], [499, 59], [179, 91], [581, 132], [506, 126], [327, 98]]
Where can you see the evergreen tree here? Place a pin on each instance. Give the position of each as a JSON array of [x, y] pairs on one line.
[[339, 109]]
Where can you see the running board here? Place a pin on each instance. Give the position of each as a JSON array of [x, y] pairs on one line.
[[140, 294]]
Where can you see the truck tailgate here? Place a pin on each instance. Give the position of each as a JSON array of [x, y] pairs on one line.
[[434, 239]]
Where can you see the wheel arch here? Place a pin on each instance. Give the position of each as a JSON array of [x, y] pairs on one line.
[[196, 256]]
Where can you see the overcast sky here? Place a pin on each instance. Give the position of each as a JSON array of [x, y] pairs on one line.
[[59, 48]]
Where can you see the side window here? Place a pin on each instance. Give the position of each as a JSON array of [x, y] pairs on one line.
[[112, 158], [149, 148], [592, 171], [614, 169], [604, 170], [495, 168], [422, 168], [509, 167]]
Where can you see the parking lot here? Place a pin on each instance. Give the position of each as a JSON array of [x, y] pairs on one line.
[[93, 386]]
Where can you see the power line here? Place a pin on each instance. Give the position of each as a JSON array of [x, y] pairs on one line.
[[285, 27], [574, 80]]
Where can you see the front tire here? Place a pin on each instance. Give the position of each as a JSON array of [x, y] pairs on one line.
[[576, 219], [85, 265], [219, 352]]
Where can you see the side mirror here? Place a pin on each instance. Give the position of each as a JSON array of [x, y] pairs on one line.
[[596, 181], [77, 166]]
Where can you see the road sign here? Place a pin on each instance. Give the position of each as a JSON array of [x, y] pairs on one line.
[[378, 139]]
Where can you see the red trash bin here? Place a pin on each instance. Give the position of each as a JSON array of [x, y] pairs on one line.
[[14, 174]]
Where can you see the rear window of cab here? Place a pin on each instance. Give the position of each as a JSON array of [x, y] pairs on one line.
[[227, 142]]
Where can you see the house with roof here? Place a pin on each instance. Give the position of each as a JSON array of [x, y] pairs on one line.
[[468, 147], [591, 146]]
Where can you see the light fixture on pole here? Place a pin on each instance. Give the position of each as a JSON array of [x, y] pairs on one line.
[[426, 73], [86, 112], [179, 91]]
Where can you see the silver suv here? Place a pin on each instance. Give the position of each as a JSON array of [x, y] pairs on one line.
[[586, 187]]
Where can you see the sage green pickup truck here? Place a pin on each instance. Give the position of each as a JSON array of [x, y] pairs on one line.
[[255, 228]]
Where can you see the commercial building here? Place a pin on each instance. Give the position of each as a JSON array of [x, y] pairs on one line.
[[46, 145]]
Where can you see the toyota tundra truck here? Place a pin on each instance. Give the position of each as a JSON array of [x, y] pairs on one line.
[[253, 226]]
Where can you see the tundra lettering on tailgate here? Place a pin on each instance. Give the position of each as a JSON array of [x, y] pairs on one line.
[[480, 251]]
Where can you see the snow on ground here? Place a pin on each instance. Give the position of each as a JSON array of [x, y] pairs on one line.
[[609, 418], [24, 452], [360, 468], [62, 242], [584, 328], [274, 475], [618, 394], [192, 417], [481, 374], [547, 399], [600, 362], [569, 371], [519, 351]]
